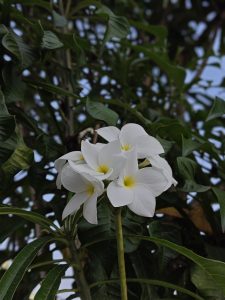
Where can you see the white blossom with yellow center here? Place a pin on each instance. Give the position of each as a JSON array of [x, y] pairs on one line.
[[86, 188], [132, 136], [137, 188], [101, 162]]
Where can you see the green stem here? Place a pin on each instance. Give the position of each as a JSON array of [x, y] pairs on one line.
[[120, 254], [79, 273]]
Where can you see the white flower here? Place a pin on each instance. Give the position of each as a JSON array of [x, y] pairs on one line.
[[75, 156], [86, 188], [137, 188], [132, 136], [161, 164], [101, 162]]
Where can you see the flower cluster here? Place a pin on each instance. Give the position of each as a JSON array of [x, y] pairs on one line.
[[117, 163]]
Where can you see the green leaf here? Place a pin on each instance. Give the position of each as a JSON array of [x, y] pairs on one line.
[[50, 284], [160, 32], [187, 167], [21, 159], [217, 110], [8, 147], [7, 122], [151, 282], [59, 21], [14, 86], [192, 186], [205, 285], [13, 276], [41, 3], [100, 111], [50, 40], [213, 268], [175, 73], [15, 44], [28, 215], [220, 195], [51, 88], [189, 145], [117, 26]]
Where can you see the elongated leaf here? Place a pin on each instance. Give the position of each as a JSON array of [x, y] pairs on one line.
[[101, 112], [15, 44], [217, 110], [50, 284], [50, 40], [214, 269], [7, 122], [21, 159], [51, 88], [152, 282], [28, 215], [12, 277], [220, 195]]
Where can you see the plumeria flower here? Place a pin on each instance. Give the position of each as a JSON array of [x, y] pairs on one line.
[[101, 162], [132, 136], [75, 156], [86, 188], [137, 188]]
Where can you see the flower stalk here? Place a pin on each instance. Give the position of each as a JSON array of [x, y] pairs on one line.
[[120, 253]]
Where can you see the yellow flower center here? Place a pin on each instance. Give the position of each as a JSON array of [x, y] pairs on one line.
[[126, 147], [129, 182], [81, 157], [103, 169], [90, 189]]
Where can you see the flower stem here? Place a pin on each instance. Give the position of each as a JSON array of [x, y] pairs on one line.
[[120, 253]]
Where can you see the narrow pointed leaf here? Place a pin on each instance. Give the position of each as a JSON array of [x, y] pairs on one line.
[[220, 195], [50, 284], [13, 276], [28, 215]]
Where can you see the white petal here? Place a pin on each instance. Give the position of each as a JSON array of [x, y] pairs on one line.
[[131, 166], [130, 132], [58, 181], [82, 168], [110, 133], [99, 145], [119, 162], [85, 169], [107, 153], [153, 179], [74, 204], [90, 153], [90, 210], [74, 156], [71, 180], [147, 145], [162, 164], [119, 196], [144, 202], [99, 187]]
